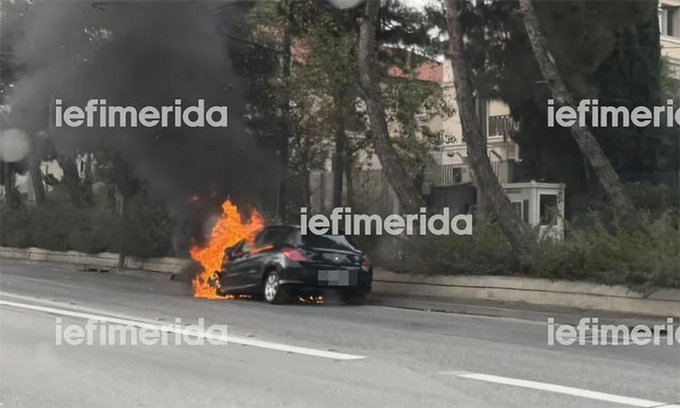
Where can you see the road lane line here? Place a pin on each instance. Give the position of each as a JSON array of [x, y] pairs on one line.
[[180, 330], [74, 306], [561, 389]]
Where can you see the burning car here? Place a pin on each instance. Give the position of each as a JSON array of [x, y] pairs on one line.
[[243, 256], [279, 261]]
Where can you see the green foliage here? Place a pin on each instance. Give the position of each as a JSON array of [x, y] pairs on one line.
[[605, 50], [670, 85], [148, 229], [656, 199], [113, 169], [57, 225], [320, 90], [11, 15], [411, 106], [322, 94], [485, 252], [643, 260]]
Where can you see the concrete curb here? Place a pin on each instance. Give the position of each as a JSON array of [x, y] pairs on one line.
[[568, 294], [105, 260]]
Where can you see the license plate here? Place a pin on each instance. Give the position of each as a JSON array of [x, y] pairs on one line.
[[335, 278]]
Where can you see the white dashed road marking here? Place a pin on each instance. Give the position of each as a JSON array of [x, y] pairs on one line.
[[561, 389], [180, 330]]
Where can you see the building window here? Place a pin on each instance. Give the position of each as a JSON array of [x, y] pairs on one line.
[[667, 17], [452, 175]]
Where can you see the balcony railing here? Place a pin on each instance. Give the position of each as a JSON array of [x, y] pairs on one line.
[[451, 174]]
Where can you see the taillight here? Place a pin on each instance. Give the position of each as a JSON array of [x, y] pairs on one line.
[[366, 264], [293, 254]]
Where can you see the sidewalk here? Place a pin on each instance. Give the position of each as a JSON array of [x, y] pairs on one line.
[[511, 310]]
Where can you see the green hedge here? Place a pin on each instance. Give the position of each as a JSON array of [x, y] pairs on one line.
[[643, 260], [57, 225]]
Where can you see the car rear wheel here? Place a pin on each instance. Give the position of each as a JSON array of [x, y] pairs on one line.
[[273, 291]]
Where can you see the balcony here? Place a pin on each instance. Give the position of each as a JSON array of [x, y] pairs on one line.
[[449, 174]]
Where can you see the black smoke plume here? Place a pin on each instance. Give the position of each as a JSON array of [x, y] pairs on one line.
[[137, 53]]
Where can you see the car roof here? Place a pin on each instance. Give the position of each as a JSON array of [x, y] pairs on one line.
[[294, 228], [282, 226]]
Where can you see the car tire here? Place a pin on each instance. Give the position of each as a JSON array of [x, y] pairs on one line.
[[354, 298], [272, 291]]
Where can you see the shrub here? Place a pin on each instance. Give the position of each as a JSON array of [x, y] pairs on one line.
[[57, 225], [484, 252], [643, 260]]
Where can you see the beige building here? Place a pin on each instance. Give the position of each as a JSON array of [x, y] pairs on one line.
[[451, 159], [495, 124], [450, 165], [669, 24]]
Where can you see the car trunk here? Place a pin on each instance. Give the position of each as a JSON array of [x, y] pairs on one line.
[[333, 257], [331, 251]]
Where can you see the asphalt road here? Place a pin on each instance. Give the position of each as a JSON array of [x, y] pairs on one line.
[[299, 355]]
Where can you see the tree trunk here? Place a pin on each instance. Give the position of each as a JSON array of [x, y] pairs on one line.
[[12, 197], [37, 181], [72, 180], [286, 133], [283, 179], [88, 180], [349, 180], [495, 200], [587, 143], [339, 165], [122, 230], [407, 193], [308, 189]]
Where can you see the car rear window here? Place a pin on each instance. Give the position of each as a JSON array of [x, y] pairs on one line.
[[273, 236], [328, 242]]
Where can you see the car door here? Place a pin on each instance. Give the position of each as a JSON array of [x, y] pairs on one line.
[[255, 261], [238, 268]]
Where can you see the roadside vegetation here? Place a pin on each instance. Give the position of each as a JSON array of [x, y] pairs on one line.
[[593, 249], [597, 247], [332, 88], [59, 226], [643, 259]]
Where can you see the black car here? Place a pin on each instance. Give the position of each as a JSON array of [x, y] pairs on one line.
[[282, 261]]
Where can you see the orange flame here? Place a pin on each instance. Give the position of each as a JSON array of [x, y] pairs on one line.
[[227, 232]]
